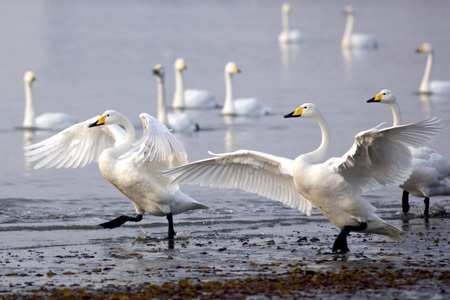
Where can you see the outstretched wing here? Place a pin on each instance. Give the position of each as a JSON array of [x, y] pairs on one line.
[[255, 172]]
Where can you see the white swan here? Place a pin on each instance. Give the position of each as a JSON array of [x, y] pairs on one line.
[[190, 98], [133, 168], [435, 86], [379, 157], [288, 36], [356, 40], [177, 121], [241, 106], [46, 121], [431, 171]]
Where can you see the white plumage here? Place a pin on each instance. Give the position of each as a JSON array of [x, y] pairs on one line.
[[356, 40], [287, 35], [438, 87]]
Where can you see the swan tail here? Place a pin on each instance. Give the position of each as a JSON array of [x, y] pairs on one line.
[[383, 228]]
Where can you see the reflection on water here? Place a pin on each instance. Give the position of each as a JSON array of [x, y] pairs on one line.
[[427, 105]]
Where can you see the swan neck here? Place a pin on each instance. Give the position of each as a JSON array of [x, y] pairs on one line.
[[178, 99], [228, 108], [425, 85], [318, 154], [162, 114], [396, 113], [348, 31], [28, 120], [285, 22], [125, 146]]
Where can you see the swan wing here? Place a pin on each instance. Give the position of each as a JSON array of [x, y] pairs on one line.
[[75, 146], [255, 172], [381, 157]]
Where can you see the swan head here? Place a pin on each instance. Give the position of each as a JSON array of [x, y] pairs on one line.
[[158, 70], [180, 64], [109, 117], [286, 8], [28, 77], [425, 48], [348, 10], [307, 110], [384, 96], [231, 68]]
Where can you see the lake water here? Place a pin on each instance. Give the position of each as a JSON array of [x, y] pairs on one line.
[[92, 56]]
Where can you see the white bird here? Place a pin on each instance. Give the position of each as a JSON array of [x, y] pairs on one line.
[[241, 106], [431, 171], [177, 121], [356, 40], [435, 86], [131, 166], [190, 98], [379, 157], [288, 36], [46, 121]]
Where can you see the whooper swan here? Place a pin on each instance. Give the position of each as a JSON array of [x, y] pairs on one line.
[[288, 36], [356, 40], [133, 168], [241, 106], [431, 170], [435, 86], [46, 121], [190, 98], [379, 157]]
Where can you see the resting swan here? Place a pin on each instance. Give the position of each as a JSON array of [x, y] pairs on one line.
[[379, 157], [177, 121], [435, 86], [241, 106], [355, 40], [288, 36], [431, 170], [46, 121], [190, 98], [131, 166]]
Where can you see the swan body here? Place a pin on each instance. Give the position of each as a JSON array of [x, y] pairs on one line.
[[288, 36], [356, 40], [177, 121], [131, 166], [46, 121], [241, 106], [190, 98], [378, 158], [430, 170], [435, 86]]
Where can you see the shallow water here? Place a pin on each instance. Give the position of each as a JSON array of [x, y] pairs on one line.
[[89, 57]]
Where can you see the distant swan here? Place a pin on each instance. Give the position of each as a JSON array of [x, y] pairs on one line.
[[241, 106], [177, 121], [46, 121], [288, 36], [378, 158], [435, 86], [355, 40], [190, 98], [131, 166], [431, 171]]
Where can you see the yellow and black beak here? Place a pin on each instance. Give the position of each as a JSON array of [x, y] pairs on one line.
[[100, 121], [420, 50], [377, 98], [295, 114]]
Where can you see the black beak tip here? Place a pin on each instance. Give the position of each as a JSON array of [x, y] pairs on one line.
[[371, 100]]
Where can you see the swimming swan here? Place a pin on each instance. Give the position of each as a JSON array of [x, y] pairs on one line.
[[46, 121], [378, 158], [431, 170], [241, 106], [288, 36], [131, 166], [435, 86], [177, 121], [190, 98], [355, 40]]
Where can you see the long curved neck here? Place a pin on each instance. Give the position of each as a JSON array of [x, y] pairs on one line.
[[396, 113], [178, 97], [285, 22], [348, 31], [228, 108], [318, 154], [162, 114], [425, 85], [28, 120], [125, 146]]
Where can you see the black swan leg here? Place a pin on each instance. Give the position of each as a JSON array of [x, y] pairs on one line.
[[340, 244], [405, 202], [427, 206], [120, 221], [171, 230]]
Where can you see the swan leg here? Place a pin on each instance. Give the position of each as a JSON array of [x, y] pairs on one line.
[[405, 202], [120, 221], [171, 230], [427, 206], [340, 244]]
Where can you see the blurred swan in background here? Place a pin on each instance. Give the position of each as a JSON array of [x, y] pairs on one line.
[[178, 121], [46, 121], [435, 86], [356, 40], [378, 158], [190, 98], [431, 171], [131, 166], [288, 36], [241, 106]]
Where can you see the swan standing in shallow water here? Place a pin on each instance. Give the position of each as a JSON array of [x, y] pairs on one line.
[[190, 98], [355, 40], [241, 106], [131, 166], [46, 121], [430, 169], [378, 158], [177, 121], [288, 36], [435, 86]]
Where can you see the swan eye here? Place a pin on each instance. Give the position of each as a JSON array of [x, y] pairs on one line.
[[384, 94], [107, 115]]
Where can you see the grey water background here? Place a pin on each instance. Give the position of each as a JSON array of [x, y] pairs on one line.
[[90, 56]]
